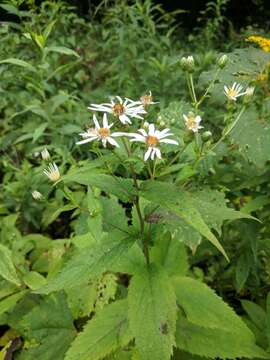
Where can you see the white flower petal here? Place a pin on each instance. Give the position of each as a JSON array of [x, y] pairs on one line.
[[96, 122], [124, 119], [169, 141], [148, 153], [151, 130], [86, 140], [112, 141], [105, 121]]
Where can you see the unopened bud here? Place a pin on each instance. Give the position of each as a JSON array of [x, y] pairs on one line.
[[146, 125], [187, 63], [222, 61], [162, 123], [250, 91], [206, 135], [45, 154]]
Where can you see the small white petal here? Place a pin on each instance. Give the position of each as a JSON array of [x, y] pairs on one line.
[[86, 140], [124, 119], [151, 130], [112, 141], [96, 122], [105, 121], [147, 154], [169, 141]]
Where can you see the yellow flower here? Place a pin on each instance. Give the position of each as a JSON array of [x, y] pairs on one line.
[[263, 42]]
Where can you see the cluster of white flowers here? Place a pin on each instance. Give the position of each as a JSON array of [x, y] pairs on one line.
[[125, 110]]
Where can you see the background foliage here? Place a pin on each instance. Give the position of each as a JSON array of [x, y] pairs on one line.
[[64, 293]]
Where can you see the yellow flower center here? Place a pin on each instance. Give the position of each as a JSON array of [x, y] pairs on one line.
[[146, 99], [190, 122], [151, 140], [118, 109], [232, 93], [104, 132]]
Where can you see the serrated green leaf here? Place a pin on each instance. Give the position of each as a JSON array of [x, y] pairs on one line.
[[180, 203], [212, 206], [170, 254], [215, 343], [10, 301], [252, 135], [122, 188], [7, 269], [49, 329], [88, 263], [105, 333], [152, 313], [204, 308]]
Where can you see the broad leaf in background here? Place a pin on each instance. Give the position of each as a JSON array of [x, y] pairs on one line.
[[105, 333], [180, 203], [215, 343], [48, 329], [88, 263], [204, 308], [252, 136], [7, 268]]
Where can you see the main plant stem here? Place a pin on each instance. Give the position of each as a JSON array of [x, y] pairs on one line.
[[136, 202]]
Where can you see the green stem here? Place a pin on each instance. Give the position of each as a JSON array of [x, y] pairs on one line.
[[208, 88], [229, 129], [193, 90], [136, 185]]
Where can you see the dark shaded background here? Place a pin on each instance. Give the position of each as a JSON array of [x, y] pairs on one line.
[[240, 12]]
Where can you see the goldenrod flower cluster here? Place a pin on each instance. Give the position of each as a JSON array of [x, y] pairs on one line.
[[263, 42]]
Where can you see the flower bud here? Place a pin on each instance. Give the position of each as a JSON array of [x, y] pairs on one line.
[[45, 154], [146, 125], [206, 135], [250, 91], [222, 61], [187, 63], [162, 123]]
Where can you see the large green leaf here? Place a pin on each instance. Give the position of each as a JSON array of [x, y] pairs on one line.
[[7, 269], [89, 262], [152, 313], [122, 188], [212, 206], [204, 308], [215, 343], [103, 334], [180, 203], [48, 328], [252, 135], [170, 254]]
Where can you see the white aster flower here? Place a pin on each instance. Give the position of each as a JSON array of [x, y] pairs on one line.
[[153, 139], [147, 100], [45, 154], [123, 110], [193, 122], [234, 91], [36, 195], [100, 133], [52, 172]]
